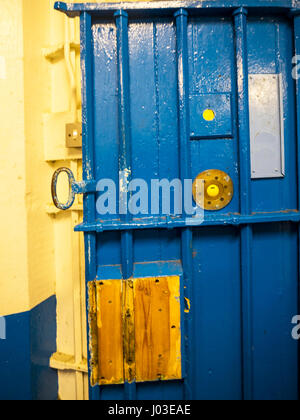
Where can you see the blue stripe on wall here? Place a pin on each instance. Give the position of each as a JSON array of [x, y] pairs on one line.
[[24, 354]]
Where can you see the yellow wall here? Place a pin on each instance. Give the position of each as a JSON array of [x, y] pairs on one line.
[[41, 268], [40, 255], [27, 252], [14, 284]]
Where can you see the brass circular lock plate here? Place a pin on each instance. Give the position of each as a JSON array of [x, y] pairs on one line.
[[213, 190]]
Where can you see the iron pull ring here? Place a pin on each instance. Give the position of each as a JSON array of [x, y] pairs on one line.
[[55, 199]]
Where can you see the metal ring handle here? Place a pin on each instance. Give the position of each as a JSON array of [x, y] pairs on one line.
[[71, 179]]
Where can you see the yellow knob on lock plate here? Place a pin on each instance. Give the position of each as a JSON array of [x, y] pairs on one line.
[[209, 115], [213, 191]]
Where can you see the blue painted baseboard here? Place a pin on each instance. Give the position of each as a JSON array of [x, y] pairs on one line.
[[24, 354]]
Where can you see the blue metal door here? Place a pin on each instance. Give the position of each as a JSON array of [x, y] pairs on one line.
[[171, 90]]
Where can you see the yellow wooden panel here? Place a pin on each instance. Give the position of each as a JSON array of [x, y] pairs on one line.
[[93, 333], [128, 330], [110, 335], [157, 328], [106, 335], [135, 330]]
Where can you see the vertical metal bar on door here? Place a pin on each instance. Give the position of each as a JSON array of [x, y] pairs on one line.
[[124, 152], [240, 23], [185, 174], [88, 166], [297, 76]]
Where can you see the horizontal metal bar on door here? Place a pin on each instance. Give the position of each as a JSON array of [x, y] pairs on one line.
[[169, 7], [176, 222]]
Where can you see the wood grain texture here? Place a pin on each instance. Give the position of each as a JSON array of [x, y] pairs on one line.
[[128, 331], [110, 332], [93, 334], [135, 330], [157, 328]]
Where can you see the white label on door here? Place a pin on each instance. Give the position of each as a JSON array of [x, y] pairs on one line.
[[266, 126]]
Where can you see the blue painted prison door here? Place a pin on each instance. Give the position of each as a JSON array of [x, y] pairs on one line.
[[168, 97]]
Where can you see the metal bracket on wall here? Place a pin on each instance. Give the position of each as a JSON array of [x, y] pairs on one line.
[[61, 361], [74, 135]]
